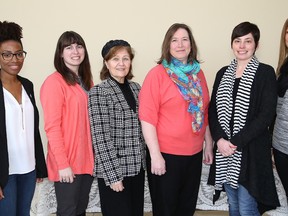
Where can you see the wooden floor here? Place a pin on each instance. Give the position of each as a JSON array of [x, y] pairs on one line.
[[197, 213]]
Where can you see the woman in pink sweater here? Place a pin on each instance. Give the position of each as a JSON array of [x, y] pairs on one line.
[[173, 112], [64, 100]]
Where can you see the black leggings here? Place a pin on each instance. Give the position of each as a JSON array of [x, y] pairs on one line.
[[129, 202], [175, 193], [281, 163]]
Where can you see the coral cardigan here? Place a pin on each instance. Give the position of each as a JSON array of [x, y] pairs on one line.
[[162, 105], [67, 127]]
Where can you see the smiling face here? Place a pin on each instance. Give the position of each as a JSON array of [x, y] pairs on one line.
[[13, 66], [244, 47], [119, 65], [73, 55], [180, 45]]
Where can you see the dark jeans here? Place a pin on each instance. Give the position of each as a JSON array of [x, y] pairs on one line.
[[72, 198], [281, 163], [18, 194], [175, 193], [129, 202]]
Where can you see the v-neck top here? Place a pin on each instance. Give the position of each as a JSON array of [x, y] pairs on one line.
[[20, 133]]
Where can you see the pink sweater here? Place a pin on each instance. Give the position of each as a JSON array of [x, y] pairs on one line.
[[67, 127], [162, 105]]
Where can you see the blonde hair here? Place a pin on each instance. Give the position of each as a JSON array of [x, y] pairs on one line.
[[283, 51]]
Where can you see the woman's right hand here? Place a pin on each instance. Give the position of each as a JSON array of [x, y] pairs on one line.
[[66, 175], [158, 166], [117, 186], [1, 194], [225, 147]]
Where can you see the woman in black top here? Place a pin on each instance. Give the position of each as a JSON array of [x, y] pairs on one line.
[[242, 107], [22, 160]]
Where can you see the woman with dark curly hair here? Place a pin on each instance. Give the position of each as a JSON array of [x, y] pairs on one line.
[[22, 161]]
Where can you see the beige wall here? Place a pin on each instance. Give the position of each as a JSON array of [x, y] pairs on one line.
[[143, 24]]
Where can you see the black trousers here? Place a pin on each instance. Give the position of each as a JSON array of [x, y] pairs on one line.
[[281, 163], [129, 202], [175, 193], [72, 198]]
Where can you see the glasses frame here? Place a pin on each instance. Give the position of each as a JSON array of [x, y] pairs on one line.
[[14, 54]]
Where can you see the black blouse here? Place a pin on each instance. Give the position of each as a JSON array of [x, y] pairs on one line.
[[127, 92]]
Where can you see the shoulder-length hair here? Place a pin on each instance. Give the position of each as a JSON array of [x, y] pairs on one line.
[[167, 41], [283, 51], [66, 39], [104, 73]]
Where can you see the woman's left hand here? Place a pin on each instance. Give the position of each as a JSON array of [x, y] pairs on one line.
[[208, 155], [66, 175], [208, 149], [225, 147], [1, 194], [39, 180]]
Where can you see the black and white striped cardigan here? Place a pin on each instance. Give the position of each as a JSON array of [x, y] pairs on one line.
[[254, 139], [116, 132], [228, 168]]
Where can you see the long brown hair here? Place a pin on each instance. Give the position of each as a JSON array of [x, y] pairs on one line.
[[283, 51], [66, 39], [167, 41]]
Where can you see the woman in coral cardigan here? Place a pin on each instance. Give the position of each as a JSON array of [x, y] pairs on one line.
[[64, 99]]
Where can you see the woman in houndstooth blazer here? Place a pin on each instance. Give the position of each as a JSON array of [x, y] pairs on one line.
[[116, 133]]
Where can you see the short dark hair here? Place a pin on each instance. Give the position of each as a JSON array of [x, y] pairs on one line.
[[245, 28], [66, 39], [10, 31], [104, 73], [167, 41]]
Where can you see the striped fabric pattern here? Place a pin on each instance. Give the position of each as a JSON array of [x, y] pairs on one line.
[[228, 168]]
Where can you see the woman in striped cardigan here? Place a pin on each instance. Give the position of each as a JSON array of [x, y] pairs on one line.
[[242, 107]]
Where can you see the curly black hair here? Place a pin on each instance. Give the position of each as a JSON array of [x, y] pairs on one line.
[[10, 31]]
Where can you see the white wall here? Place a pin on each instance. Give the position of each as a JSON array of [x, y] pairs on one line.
[[143, 24]]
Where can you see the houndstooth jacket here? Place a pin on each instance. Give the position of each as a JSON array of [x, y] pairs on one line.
[[116, 132]]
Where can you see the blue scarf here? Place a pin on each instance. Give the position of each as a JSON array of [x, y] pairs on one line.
[[189, 84]]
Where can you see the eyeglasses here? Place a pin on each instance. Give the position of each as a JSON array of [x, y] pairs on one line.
[[8, 56]]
